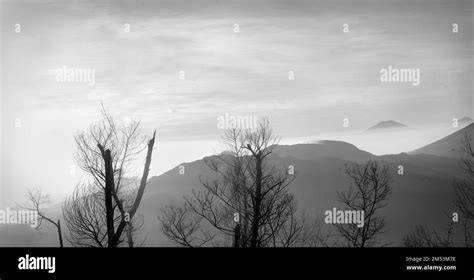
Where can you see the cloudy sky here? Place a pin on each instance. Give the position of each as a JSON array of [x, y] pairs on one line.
[[337, 74]]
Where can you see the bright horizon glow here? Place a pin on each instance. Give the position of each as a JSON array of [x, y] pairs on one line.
[[337, 75]]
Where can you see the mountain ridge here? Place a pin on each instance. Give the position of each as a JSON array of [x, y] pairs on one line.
[[319, 169], [448, 146]]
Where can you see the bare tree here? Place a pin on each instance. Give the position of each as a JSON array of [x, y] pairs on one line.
[[464, 190], [246, 204], [419, 237], [422, 237], [36, 200], [99, 211], [84, 214], [463, 203], [369, 191]]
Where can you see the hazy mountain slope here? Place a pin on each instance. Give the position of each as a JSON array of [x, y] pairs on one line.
[[25, 236], [449, 146], [465, 120], [419, 196], [321, 149]]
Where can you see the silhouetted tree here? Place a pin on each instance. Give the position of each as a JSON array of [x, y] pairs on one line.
[[369, 191], [246, 205], [464, 190], [422, 237], [463, 203], [35, 202], [99, 211], [84, 214]]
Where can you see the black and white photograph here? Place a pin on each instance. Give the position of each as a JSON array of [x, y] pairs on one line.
[[323, 124]]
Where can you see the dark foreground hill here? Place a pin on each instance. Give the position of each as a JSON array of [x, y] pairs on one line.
[[420, 196]]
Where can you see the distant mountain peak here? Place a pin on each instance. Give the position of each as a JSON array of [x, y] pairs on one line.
[[387, 124]]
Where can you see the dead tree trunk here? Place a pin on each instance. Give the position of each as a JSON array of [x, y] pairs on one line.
[[138, 198], [109, 189], [258, 201], [129, 235], [60, 234], [237, 236]]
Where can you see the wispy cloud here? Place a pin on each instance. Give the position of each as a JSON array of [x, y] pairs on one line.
[[137, 72]]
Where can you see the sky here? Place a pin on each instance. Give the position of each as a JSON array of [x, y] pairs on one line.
[[244, 73]]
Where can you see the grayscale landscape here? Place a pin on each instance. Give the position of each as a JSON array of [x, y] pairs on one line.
[[237, 123]]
